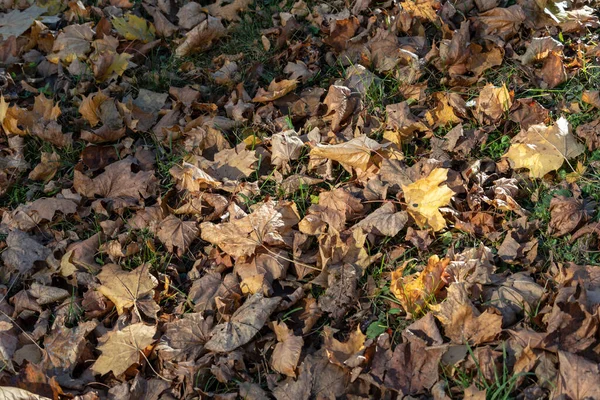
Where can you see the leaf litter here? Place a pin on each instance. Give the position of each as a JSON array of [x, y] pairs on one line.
[[299, 199]]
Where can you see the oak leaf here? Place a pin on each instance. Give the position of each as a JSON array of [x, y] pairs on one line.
[[121, 349], [425, 196]]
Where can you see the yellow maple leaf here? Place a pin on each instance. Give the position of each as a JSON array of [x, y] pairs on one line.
[[416, 291], [542, 149], [425, 196], [132, 27]]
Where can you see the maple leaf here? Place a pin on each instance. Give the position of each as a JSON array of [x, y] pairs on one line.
[[117, 181], [269, 224], [244, 324], [174, 232], [415, 292], [132, 27], [121, 349], [126, 288], [73, 42], [542, 149], [184, 338], [424, 198]]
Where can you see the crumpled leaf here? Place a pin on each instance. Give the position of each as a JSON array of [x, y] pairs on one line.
[[354, 153], [275, 90], [543, 149], [462, 321], [121, 349], [425, 196], [287, 351], [202, 37], [416, 292], [244, 324], [270, 224], [127, 288]]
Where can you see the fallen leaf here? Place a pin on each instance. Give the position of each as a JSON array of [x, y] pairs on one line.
[[174, 232], [202, 37], [16, 22], [269, 224], [184, 338], [354, 153], [287, 351], [74, 42], [244, 324], [126, 288], [425, 196], [416, 292], [123, 348], [542, 149], [275, 90], [132, 27], [462, 322]]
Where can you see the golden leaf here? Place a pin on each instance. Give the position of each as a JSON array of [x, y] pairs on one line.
[[425, 196]]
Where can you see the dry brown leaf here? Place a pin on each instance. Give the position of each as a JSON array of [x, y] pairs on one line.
[[591, 97], [493, 103], [287, 351], [270, 224], [233, 164], [202, 37], [123, 348], [424, 198], [47, 168], [192, 178], [184, 338], [174, 232], [228, 10], [119, 180], [462, 321], [502, 22], [354, 153], [74, 42], [244, 324], [275, 90], [384, 221], [126, 288]]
